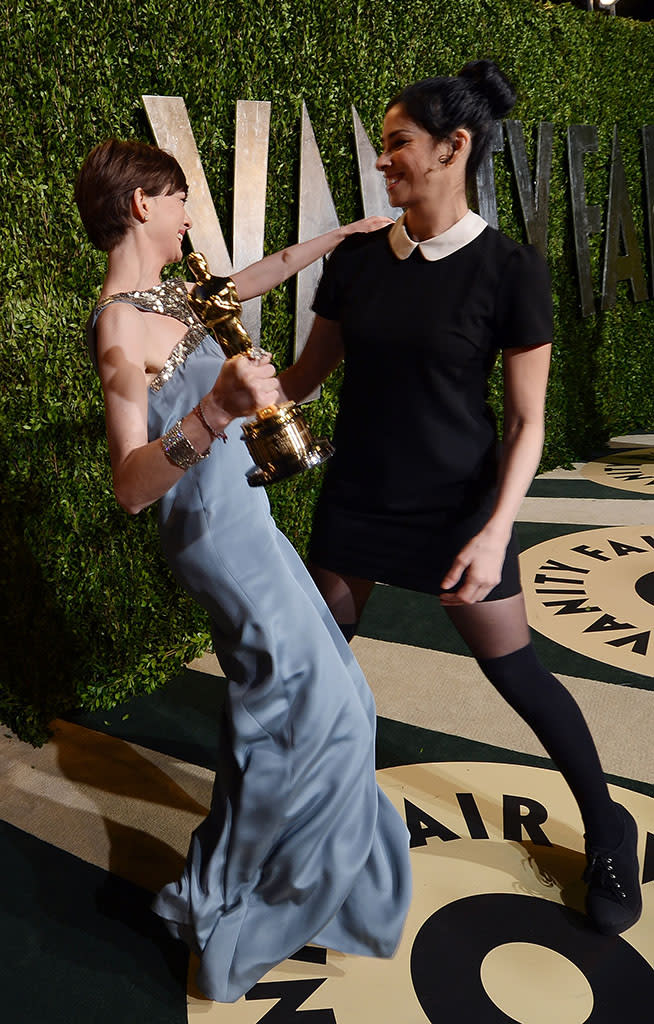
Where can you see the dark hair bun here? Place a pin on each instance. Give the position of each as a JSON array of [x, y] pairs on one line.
[[488, 81]]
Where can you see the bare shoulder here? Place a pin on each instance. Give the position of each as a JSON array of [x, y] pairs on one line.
[[117, 316], [120, 323], [122, 333]]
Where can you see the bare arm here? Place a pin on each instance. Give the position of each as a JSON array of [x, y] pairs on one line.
[[322, 353], [141, 471], [267, 273], [525, 383]]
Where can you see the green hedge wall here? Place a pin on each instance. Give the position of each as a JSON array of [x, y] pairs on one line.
[[90, 614]]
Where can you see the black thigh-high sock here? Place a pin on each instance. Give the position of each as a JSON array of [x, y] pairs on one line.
[[545, 704]]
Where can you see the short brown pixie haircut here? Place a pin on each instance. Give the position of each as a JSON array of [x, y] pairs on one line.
[[108, 178]]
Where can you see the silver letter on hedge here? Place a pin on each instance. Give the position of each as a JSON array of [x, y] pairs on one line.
[[317, 215], [373, 190], [625, 265], [250, 174], [587, 220], [486, 195], [533, 200], [172, 131], [648, 146]]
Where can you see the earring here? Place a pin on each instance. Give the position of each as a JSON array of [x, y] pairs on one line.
[[146, 216]]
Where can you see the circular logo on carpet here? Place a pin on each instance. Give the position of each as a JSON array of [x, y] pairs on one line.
[[593, 592], [496, 929], [629, 470]]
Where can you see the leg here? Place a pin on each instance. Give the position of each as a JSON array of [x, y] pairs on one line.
[[345, 596], [498, 636]]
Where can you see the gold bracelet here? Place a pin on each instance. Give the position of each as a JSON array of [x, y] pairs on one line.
[[199, 412], [178, 449]]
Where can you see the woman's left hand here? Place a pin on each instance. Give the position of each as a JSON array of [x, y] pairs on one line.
[[481, 559]]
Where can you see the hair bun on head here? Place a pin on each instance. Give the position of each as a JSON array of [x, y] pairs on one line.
[[488, 81]]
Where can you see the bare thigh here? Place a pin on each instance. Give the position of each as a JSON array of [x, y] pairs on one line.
[[491, 629], [345, 596]]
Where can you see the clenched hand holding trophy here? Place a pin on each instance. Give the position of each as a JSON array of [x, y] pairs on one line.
[[278, 439]]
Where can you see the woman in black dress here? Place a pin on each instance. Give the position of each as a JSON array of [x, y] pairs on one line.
[[417, 495]]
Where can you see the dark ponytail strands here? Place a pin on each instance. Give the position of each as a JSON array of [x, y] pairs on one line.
[[479, 95], [486, 79]]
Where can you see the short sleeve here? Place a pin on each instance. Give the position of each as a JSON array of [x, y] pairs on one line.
[[329, 294], [524, 301]]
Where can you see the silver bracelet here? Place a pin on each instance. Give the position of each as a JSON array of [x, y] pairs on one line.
[[178, 449], [199, 412]]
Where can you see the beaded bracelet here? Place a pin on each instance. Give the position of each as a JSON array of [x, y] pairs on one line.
[[178, 449], [199, 412]]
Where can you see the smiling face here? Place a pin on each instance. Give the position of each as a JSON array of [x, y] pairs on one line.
[[167, 223], [116, 176], [413, 162]]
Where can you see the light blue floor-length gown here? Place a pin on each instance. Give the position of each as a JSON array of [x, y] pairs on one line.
[[300, 845]]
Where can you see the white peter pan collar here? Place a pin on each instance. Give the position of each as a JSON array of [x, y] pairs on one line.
[[465, 230]]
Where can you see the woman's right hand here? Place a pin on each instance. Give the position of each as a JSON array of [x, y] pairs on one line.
[[366, 225], [242, 386]]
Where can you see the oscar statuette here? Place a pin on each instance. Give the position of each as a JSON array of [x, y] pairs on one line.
[[278, 438]]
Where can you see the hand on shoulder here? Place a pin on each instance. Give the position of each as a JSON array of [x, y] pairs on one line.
[[366, 225]]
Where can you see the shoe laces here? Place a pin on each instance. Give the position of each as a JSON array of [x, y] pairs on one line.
[[601, 872]]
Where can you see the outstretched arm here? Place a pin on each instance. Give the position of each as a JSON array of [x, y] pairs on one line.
[[267, 273], [525, 383]]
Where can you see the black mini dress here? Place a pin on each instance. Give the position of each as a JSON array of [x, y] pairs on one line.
[[414, 473]]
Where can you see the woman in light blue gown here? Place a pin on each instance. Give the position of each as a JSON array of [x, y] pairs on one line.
[[300, 845]]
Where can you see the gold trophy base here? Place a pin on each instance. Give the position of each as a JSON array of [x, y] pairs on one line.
[[281, 444]]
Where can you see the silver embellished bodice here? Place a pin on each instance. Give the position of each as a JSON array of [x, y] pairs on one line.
[[171, 299]]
